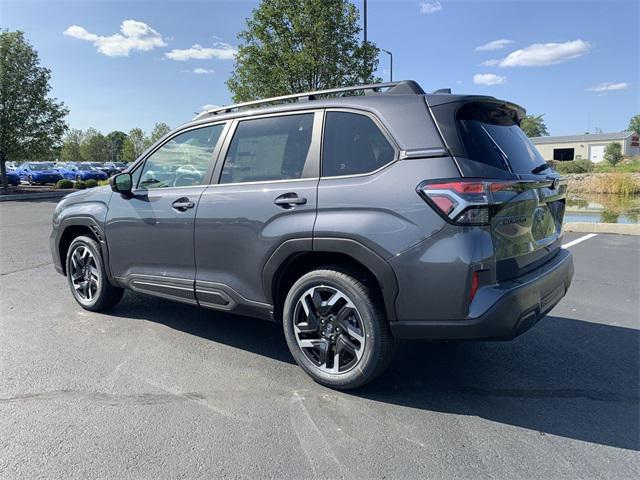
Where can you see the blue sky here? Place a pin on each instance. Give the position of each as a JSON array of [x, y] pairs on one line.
[[575, 61]]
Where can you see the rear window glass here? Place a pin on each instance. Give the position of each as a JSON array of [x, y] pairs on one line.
[[491, 135]]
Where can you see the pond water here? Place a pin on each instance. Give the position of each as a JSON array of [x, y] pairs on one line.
[[602, 209]]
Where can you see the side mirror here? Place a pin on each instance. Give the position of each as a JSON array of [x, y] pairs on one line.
[[121, 183]]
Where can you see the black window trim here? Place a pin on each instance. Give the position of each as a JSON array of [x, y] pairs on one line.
[[311, 171], [381, 126], [170, 136]]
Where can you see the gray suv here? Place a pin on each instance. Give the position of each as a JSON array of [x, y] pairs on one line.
[[354, 216]]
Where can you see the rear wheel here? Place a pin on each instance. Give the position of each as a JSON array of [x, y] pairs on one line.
[[87, 276], [336, 329]]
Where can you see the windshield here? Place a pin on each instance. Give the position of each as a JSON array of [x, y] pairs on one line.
[[40, 166], [491, 136]]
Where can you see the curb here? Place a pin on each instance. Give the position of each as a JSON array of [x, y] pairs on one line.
[[33, 196], [619, 228]]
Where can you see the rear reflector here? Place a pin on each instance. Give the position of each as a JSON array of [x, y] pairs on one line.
[[468, 202], [474, 286]]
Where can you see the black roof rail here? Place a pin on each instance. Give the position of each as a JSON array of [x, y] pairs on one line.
[[400, 87]]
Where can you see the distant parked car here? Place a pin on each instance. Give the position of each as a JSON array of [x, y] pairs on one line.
[[114, 167], [11, 166], [99, 166], [38, 172], [13, 178], [82, 171]]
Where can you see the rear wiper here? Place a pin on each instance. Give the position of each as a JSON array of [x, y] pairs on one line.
[[540, 168]]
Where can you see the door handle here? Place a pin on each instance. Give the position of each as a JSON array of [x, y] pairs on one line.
[[289, 200], [183, 204]]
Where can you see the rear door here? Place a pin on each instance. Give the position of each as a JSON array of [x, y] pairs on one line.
[[264, 193], [489, 144]]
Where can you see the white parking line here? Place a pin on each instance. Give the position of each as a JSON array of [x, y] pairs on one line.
[[578, 240]]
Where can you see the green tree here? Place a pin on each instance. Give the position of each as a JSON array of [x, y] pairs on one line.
[[534, 126], [159, 130], [95, 147], [116, 140], [292, 46], [71, 151], [31, 123], [134, 145], [634, 124], [613, 153]]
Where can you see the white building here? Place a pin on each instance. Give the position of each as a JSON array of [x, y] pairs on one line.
[[591, 146]]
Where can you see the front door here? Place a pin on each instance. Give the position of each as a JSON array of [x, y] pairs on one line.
[[150, 232], [266, 194]]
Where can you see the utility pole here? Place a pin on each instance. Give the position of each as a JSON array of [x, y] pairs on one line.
[[365, 21], [390, 63]]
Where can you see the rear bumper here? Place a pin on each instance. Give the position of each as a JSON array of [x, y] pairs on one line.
[[516, 306]]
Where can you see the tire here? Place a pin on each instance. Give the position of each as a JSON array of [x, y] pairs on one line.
[[30, 180], [78, 178], [88, 281], [358, 320]]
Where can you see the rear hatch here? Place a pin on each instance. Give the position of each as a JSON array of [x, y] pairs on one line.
[[527, 198]]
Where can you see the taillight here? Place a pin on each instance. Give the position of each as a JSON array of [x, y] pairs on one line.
[[467, 202]]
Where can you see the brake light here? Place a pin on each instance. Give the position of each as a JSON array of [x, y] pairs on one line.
[[467, 202]]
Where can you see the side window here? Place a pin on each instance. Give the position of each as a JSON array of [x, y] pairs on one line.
[[181, 162], [273, 148], [353, 144]]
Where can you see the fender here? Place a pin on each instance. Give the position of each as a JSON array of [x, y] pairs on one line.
[[362, 254]]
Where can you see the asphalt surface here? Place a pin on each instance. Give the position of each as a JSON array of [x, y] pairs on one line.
[[157, 389]]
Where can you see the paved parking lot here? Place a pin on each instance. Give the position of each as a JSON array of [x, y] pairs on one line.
[[161, 389]]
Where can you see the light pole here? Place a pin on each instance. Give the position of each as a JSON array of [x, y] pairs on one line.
[[390, 63], [365, 21]]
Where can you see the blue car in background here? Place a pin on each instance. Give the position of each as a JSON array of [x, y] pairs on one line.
[[38, 172], [13, 178], [81, 171]]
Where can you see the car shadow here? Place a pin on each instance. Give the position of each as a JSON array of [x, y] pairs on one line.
[[565, 377]]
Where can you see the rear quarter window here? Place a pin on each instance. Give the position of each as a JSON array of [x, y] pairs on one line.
[[353, 144]]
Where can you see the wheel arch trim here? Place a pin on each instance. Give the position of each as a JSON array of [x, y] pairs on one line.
[[98, 231], [292, 248]]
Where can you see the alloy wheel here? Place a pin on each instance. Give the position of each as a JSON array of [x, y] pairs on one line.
[[84, 274], [329, 329]]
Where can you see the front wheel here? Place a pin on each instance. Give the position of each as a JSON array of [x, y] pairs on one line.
[[336, 329], [30, 180], [87, 276]]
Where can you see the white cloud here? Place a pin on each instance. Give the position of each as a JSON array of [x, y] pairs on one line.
[[219, 50], [202, 71], [488, 79], [133, 35], [430, 7], [490, 63], [608, 87], [494, 45], [543, 54]]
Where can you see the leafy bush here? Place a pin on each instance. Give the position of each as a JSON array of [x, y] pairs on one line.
[[64, 184], [573, 166], [91, 183], [102, 183], [80, 185]]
